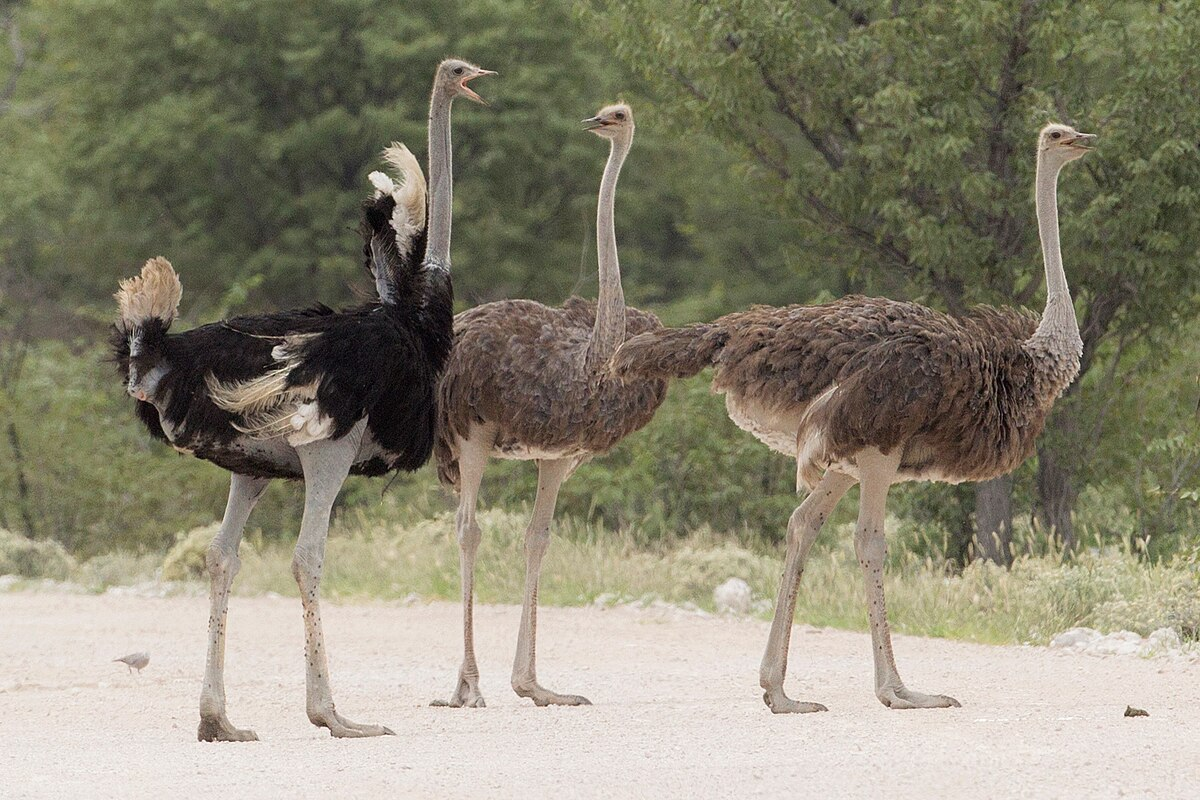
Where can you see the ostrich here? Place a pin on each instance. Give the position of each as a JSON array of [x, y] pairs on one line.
[[877, 392], [529, 382], [311, 394]]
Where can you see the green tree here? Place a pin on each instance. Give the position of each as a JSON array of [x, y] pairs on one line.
[[897, 136], [235, 137]]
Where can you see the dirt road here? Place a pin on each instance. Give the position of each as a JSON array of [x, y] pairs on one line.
[[677, 713]]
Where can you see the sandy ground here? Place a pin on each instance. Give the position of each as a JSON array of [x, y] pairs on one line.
[[677, 714]]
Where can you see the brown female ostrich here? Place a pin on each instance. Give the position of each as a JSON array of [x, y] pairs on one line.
[[529, 382], [311, 394], [876, 392]]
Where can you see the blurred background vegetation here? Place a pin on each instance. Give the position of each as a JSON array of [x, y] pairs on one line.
[[787, 152]]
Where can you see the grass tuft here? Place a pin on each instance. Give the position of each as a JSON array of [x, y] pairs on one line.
[[394, 551]]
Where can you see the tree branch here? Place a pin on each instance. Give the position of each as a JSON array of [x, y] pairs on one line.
[[9, 25]]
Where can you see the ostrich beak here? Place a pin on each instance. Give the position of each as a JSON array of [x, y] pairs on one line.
[[1083, 141], [462, 85], [592, 123]]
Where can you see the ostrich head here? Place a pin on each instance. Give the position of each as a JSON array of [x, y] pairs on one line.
[[1062, 143], [611, 122], [453, 75]]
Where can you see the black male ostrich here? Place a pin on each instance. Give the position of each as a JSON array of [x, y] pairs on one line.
[[311, 394]]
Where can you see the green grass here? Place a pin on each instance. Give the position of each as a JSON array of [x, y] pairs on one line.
[[392, 552], [387, 553]]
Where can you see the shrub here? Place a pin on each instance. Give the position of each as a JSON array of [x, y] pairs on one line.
[[186, 560], [32, 558], [697, 570]]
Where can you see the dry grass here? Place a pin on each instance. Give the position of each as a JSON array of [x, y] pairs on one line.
[[379, 555], [390, 552]]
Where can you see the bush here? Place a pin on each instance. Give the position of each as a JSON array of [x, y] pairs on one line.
[[186, 561], [697, 570], [31, 558]]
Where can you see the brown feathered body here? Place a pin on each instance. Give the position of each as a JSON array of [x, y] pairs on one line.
[[520, 367], [964, 397]]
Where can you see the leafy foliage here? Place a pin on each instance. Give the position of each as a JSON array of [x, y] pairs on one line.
[[237, 136], [897, 137], [786, 152]]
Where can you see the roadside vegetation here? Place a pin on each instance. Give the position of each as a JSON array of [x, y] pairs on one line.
[[391, 552]]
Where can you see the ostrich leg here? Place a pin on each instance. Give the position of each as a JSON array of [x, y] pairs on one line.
[[223, 564], [551, 474], [803, 528], [876, 473], [472, 458], [326, 464]]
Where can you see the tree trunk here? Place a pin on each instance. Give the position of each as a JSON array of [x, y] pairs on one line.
[[14, 442], [1056, 495], [993, 520]]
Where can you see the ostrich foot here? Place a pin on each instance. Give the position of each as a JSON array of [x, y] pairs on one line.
[[466, 695], [780, 703], [218, 728], [342, 728], [901, 697], [544, 697]]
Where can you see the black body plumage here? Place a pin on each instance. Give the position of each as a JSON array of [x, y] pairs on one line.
[[379, 361]]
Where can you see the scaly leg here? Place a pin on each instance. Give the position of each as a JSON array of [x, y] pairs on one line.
[[223, 564], [803, 527], [551, 474], [326, 464], [876, 473], [472, 458]]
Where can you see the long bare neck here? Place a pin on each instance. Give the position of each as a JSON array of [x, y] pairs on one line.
[[441, 180], [609, 330], [1055, 344]]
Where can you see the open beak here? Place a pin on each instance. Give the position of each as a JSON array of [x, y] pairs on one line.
[[592, 123], [1083, 141], [468, 91]]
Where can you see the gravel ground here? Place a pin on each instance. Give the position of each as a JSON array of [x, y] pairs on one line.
[[677, 713]]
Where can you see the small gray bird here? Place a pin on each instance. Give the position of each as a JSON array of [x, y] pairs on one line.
[[134, 661]]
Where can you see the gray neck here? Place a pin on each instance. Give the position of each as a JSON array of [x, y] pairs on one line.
[[1055, 344], [609, 331], [441, 179]]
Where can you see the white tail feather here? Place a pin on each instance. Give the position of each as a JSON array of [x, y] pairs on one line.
[[155, 294], [382, 183], [408, 219]]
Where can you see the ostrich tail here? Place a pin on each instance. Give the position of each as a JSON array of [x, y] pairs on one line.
[[148, 304], [153, 295], [394, 225], [669, 352]]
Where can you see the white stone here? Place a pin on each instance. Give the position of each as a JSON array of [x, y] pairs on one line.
[[1075, 638], [1164, 641], [733, 597]]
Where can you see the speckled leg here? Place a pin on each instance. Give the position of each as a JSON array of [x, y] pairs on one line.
[[876, 473], [803, 527], [326, 464], [472, 458], [551, 474], [223, 564]]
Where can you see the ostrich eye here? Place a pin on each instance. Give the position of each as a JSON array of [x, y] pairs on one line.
[[620, 115], [458, 70], [1056, 135]]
